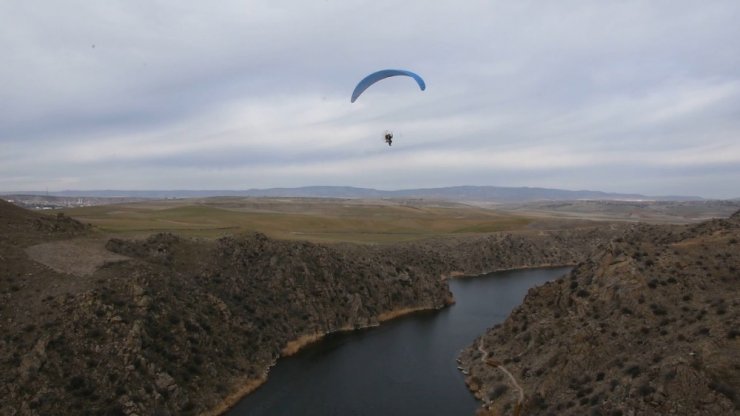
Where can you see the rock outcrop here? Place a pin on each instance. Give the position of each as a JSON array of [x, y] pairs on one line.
[[647, 325]]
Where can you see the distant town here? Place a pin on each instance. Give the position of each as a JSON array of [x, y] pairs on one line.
[[49, 202]]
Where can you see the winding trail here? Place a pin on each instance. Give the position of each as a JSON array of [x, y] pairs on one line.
[[493, 363]]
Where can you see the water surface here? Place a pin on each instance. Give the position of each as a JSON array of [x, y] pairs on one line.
[[404, 367]]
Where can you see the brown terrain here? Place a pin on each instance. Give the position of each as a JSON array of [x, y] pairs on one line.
[[666, 212], [647, 325], [175, 325]]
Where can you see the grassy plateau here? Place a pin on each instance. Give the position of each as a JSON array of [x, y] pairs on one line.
[[325, 220]]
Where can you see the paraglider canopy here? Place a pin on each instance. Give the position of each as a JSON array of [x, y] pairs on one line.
[[383, 74]]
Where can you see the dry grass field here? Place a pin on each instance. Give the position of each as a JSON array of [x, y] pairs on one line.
[[656, 212], [375, 220], [325, 220]]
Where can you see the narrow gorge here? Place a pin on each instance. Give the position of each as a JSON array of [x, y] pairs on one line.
[[188, 326]]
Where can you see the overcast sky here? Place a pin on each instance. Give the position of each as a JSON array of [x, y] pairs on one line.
[[622, 96]]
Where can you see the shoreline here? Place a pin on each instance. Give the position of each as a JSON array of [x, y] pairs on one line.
[[462, 275], [294, 346], [234, 397]]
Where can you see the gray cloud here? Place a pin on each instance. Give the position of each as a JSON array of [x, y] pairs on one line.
[[617, 96]]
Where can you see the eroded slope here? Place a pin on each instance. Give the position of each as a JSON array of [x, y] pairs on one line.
[[648, 325]]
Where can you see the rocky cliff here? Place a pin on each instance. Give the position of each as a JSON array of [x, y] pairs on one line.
[[647, 325], [187, 326]]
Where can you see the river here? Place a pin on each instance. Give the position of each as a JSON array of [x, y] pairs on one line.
[[403, 367]]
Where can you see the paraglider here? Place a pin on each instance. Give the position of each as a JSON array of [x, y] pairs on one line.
[[380, 75], [383, 74]]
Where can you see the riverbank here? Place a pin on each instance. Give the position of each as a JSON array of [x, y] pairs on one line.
[[461, 275], [233, 398], [406, 366], [294, 346]]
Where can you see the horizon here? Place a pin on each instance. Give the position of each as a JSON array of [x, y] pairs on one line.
[[639, 97], [298, 188]]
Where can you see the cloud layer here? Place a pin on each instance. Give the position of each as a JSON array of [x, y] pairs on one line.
[[615, 96]]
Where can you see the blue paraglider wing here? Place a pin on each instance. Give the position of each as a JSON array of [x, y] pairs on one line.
[[385, 73]]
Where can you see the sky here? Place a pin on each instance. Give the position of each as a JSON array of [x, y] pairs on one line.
[[618, 96]]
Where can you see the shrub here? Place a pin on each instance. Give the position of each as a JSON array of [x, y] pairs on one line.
[[725, 390], [670, 374], [584, 392], [658, 309], [613, 384], [633, 371], [75, 383], [646, 390], [499, 391], [702, 331]]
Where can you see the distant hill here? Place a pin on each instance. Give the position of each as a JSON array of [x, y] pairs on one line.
[[457, 193]]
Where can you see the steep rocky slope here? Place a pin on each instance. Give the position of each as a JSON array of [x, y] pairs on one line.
[[647, 325], [187, 326]]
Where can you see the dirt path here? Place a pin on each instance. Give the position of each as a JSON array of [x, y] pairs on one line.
[[79, 257], [494, 363]]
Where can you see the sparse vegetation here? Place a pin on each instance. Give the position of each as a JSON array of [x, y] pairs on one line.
[[300, 219], [647, 326], [177, 317]]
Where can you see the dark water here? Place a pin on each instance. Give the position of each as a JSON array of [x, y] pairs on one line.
[[404, 367]]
